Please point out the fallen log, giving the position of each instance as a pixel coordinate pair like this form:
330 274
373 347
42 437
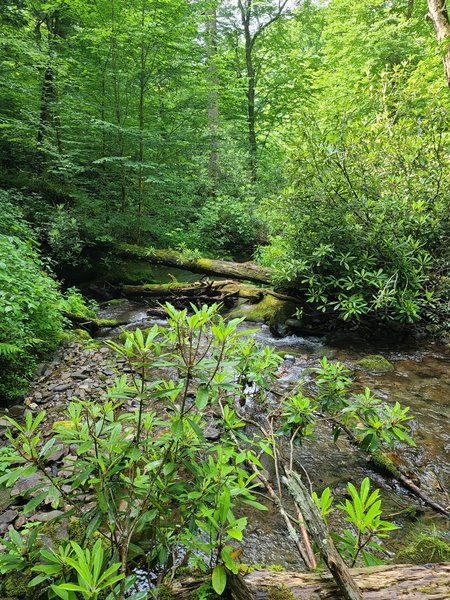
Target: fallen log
173 289
249 271
399 582
320 534
91 324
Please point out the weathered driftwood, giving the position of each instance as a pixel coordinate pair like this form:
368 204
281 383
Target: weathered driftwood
396 582
249 271
320 534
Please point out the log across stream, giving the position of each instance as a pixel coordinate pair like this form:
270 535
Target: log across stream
390 582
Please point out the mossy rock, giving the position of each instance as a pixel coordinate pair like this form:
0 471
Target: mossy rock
427 548
77 336
376 363
114 302
14 586
270 310
280 593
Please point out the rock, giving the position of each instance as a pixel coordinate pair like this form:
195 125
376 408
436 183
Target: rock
375 363
212 433
58 454
289 358
8 517
47 516
16 411
80 376
5 498
62 387
270 310
20 521
24 484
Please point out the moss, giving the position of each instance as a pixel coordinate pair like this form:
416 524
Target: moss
384 463
114 302
280 593
108 322
270 310
15 585
205 263
261 567
165 593
427 547
375 362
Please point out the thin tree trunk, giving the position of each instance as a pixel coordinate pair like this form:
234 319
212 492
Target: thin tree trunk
118 108
213 97
251 113
48 118
141 113
438 13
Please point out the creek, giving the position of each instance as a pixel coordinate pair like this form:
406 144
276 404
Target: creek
420 379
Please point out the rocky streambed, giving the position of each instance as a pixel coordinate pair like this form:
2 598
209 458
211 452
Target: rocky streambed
419 378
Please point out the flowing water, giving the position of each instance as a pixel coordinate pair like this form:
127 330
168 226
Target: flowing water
420 379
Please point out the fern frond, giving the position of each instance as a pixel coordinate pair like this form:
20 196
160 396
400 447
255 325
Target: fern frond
8 349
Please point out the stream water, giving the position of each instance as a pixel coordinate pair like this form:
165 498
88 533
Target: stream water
420 379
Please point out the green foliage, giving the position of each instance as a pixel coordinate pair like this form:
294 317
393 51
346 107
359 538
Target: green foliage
363 512
365 214
21 552
64 237
372 422
426 546
228 226
30 319
74 302
160 486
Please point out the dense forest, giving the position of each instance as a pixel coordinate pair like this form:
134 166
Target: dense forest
295 154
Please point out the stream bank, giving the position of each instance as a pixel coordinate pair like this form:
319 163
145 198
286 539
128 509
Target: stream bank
419 378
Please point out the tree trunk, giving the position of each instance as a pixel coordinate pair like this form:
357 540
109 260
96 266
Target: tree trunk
321 536
438 13
249 271
246 16
213 97
141 119
119 117
48 118
399 582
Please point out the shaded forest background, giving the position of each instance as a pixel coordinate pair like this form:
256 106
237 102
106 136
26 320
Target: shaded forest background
311 136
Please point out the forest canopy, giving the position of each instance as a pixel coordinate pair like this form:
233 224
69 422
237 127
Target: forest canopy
310 134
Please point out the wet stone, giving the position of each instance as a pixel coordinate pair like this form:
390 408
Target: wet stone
8 517
47 516
23 484
60 387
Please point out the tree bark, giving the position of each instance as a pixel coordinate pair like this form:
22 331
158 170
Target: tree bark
438 13
48 117
213 96
399 582
249 271
321 536
253 28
